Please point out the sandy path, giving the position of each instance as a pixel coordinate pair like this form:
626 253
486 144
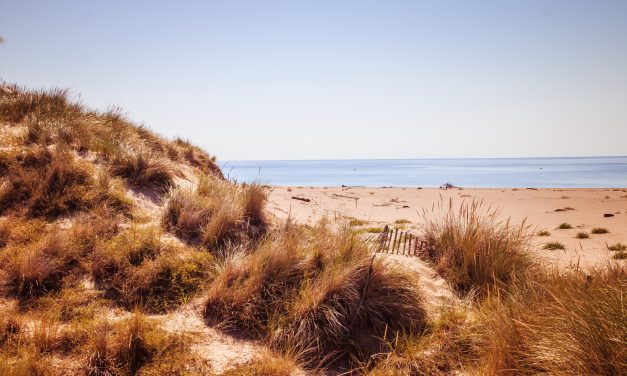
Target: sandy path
383 206
221 350
437 292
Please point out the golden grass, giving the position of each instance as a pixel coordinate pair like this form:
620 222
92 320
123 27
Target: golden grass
143 171
217 215
266 364
137 269
137 346
314 295
316 292
561 323
582 235
475 250
445 347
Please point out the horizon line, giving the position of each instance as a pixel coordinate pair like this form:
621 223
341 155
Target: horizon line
418 158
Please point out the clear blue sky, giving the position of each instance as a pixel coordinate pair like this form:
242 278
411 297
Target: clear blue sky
340 79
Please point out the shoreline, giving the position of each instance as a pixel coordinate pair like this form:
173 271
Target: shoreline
541 208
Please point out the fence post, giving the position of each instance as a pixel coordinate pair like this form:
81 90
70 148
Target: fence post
394 241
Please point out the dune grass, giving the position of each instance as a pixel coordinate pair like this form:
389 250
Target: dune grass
553 246
137 346
564 226
582 235
402 221
543 233
137 269
76 249
620 255
357 222
316 292
217 215
617 247
599 230
559 323
143 171
475 250
447 345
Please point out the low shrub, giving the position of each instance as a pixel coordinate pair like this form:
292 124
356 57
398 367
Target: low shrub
564 226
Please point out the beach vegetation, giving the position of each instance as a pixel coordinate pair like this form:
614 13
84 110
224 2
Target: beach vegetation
402 221
317 292
374 230
620 255
111 236
553 246
564 226
599 230
616 247
356 222
475 250
582 235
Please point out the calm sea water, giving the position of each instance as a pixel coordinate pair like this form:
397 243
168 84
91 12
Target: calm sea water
594 172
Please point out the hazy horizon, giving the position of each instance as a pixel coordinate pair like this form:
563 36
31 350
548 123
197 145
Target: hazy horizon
418 158
324 80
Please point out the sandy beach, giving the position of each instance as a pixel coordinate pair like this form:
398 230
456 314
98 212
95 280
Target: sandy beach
543 209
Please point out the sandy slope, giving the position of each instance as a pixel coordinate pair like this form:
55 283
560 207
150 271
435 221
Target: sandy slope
385 205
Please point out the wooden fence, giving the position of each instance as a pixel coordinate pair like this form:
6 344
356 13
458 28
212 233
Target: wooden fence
400 242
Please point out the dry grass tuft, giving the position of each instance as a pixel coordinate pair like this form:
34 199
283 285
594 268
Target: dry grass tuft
446 346
217 215
186 214
567 323
143 171
323 298
266 364
137 269
599 230
473 249
582 235
36 268
196 157
137 346
551 246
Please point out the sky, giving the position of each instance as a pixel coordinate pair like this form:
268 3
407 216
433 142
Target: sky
339 79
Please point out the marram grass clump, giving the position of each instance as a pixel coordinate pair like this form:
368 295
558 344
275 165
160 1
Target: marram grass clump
474 249
318 293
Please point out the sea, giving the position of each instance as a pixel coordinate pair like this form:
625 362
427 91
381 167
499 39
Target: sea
575 172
